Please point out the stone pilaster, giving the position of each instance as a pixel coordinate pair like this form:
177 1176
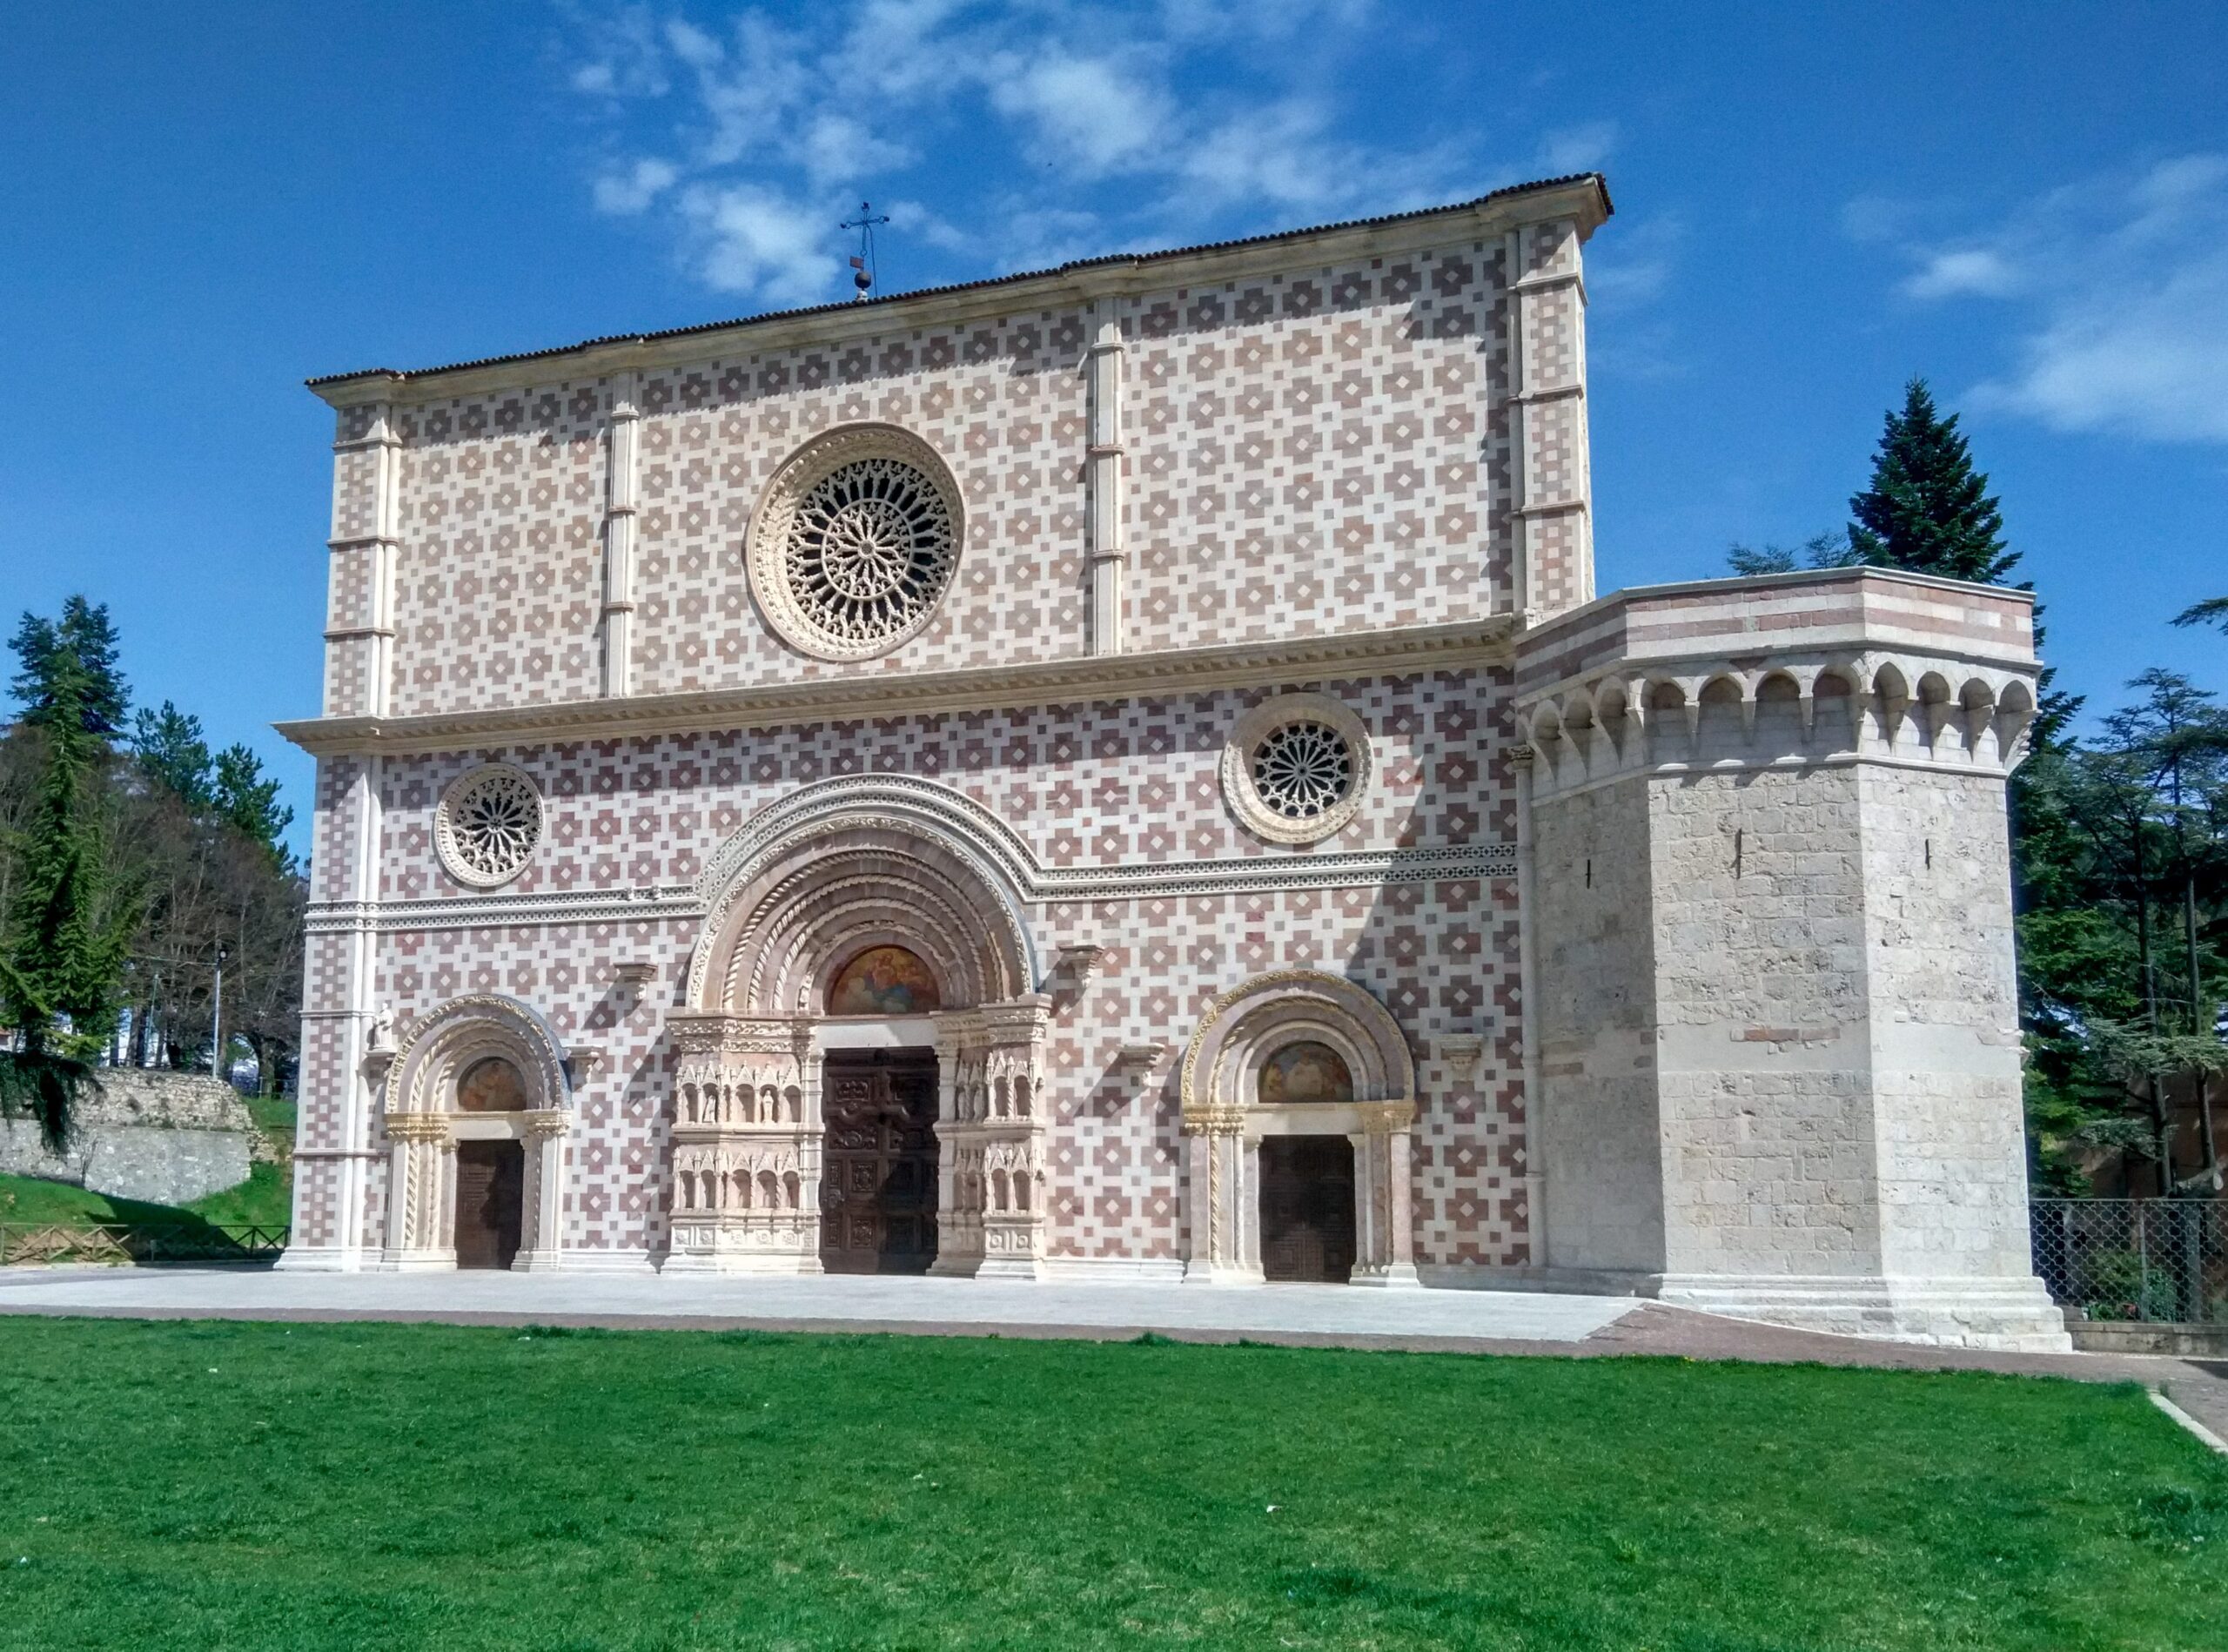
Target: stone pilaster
1550 474
747 1135
623 441
1105 554
547 1131
1385 1228
1225 1190
990 1137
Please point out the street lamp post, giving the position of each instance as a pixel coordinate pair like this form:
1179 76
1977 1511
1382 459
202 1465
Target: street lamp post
216 1020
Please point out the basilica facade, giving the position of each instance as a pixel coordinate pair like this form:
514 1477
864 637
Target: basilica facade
1122 773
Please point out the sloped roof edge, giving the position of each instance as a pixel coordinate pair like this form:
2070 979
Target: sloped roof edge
395 376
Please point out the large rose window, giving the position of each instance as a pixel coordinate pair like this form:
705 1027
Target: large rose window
855 542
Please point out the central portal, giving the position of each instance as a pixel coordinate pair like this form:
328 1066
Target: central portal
878 1180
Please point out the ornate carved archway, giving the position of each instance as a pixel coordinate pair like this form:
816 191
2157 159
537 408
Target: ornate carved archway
803 890
1226 1118
424 1119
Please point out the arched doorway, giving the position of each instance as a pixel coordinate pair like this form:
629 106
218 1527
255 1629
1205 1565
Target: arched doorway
1307 1208
1307 1181
490 1203
1298 1097
476 1123
864 1028
490 1174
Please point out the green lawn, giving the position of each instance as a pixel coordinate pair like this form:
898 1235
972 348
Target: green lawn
237 1486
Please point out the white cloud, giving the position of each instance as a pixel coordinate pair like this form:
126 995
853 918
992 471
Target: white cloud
2119 288
755 241
1577 149
633 188
755 137
1979 270
1091 113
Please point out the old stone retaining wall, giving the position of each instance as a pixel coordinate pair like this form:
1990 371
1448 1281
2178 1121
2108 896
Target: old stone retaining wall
164 1137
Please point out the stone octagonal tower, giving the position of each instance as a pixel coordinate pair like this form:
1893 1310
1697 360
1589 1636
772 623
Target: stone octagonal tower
1776 1042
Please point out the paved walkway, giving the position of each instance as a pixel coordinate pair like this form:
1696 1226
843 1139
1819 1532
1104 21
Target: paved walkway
1306 1315
831 1302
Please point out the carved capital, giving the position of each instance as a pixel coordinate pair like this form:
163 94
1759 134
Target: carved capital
401 1126
1385 1117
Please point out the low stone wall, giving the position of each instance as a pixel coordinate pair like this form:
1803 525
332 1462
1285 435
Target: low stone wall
163 1137
2198 1341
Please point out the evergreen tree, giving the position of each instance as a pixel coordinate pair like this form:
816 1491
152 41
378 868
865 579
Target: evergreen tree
2212 611
170 747
1927 510
1820 550
82 648
250 803
67 928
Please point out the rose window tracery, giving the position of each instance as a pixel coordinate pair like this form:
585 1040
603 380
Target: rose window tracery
1295 768
855 542
489 825
1303 770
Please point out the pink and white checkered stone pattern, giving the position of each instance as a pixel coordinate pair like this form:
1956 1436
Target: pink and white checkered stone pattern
1104 785
1320 451
1306 453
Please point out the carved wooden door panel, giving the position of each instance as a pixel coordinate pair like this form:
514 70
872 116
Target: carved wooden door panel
878 1183
490 1202
1307 1208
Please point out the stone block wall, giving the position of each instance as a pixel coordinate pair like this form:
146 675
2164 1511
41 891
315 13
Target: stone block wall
163 1137
1778 1073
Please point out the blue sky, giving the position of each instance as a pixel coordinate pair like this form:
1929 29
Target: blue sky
204 204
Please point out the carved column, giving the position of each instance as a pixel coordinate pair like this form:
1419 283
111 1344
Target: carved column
1385 1225
1106 551
421 1188
991 1141
1225 1189
619 547
962 1087
545 1132
747 1146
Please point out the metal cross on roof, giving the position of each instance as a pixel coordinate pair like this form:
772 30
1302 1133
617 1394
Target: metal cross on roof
862 261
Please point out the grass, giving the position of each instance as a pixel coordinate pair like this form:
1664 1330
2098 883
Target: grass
231 1486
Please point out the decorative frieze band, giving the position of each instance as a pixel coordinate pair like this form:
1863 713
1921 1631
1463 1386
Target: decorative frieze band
1465 645
1259 875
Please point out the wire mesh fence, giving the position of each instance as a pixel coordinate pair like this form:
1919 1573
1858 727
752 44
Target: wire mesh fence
134 1244
2157 1259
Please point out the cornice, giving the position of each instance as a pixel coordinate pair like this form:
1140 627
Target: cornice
1466 644
1583 198
1251 875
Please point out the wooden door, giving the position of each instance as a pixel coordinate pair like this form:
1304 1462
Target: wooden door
1307 1208
490 1202
878 1182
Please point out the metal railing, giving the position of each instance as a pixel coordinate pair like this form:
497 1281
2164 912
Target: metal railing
2156 1260
135 1243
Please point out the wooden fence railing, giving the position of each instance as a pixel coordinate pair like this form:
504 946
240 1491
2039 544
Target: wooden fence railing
134 1243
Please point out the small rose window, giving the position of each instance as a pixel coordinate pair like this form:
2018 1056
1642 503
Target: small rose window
1296 768
1303 770
488 826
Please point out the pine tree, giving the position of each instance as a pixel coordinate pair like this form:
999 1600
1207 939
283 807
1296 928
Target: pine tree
171 748
82 645
243 797
1927 510
65 933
